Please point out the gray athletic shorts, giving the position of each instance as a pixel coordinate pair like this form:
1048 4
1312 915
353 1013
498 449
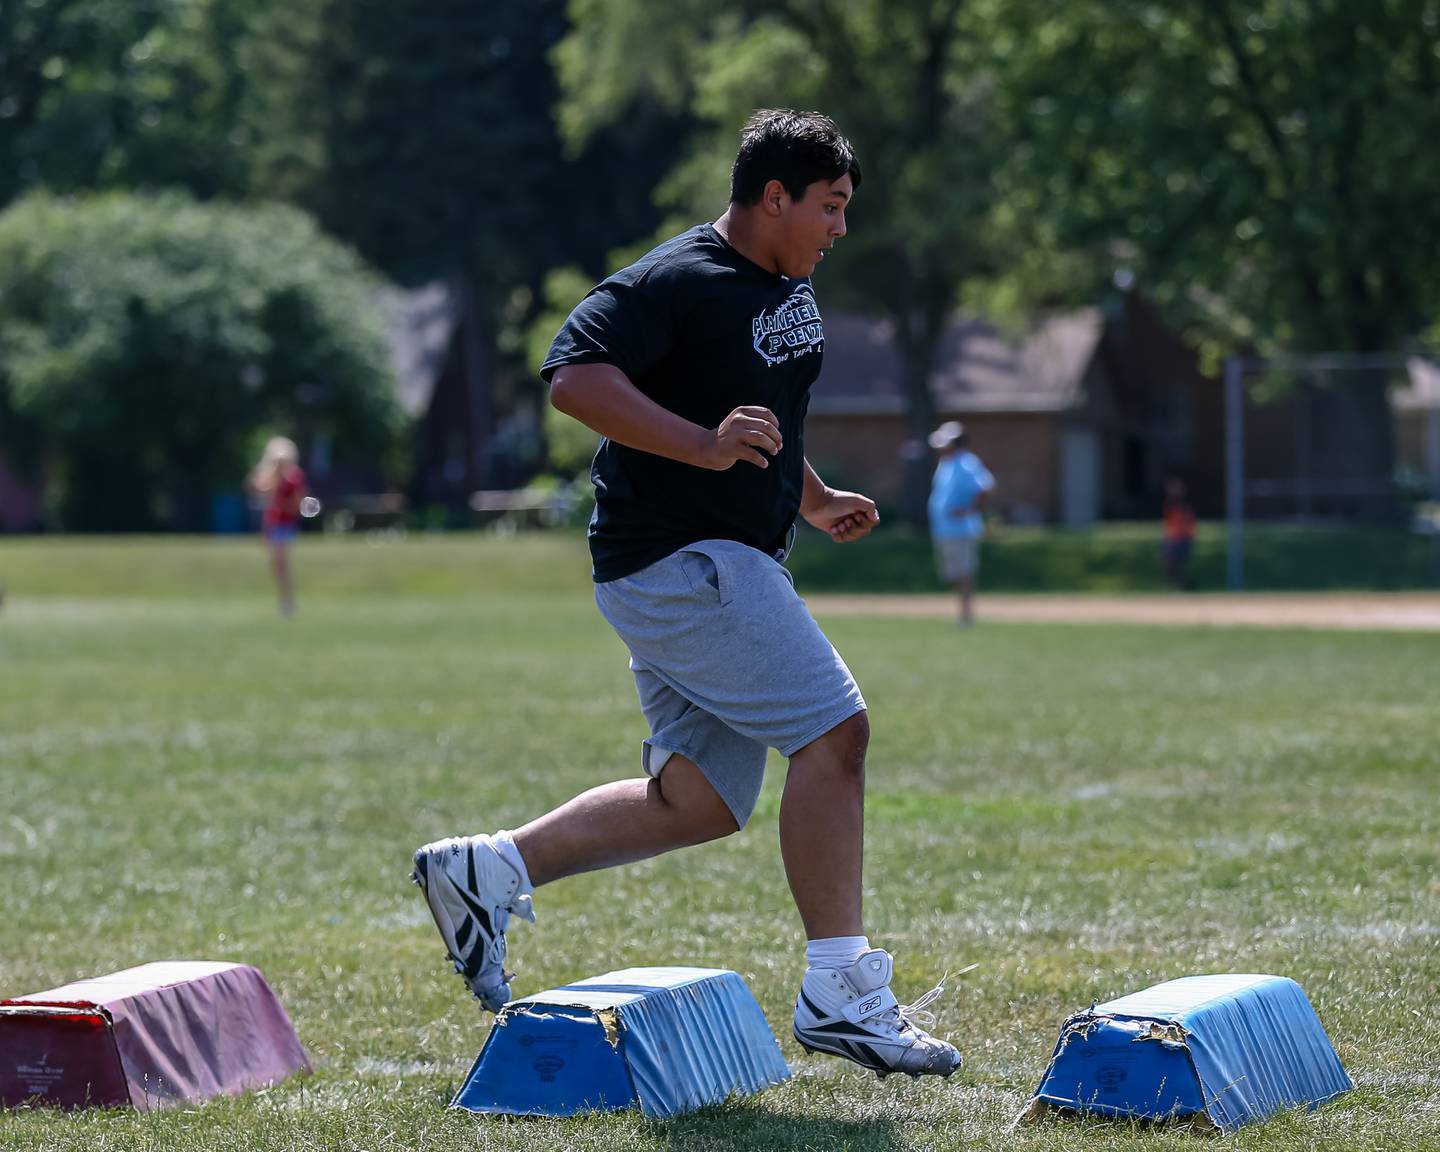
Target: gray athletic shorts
728 662
957 557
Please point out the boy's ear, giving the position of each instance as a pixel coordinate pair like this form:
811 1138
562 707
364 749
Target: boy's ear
773 197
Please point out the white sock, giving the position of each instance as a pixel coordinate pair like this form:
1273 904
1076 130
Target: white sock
836 951
505 845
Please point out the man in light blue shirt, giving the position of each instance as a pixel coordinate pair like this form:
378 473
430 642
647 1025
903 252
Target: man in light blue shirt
958 495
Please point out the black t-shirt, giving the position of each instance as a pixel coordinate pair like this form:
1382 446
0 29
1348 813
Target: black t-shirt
700 330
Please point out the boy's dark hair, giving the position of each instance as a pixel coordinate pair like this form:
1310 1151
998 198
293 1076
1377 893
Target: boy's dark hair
796 148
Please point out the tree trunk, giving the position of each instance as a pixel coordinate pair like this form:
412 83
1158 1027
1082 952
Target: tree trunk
477 349
916 335
918 356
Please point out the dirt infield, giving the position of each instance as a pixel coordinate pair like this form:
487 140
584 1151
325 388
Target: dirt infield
1366 611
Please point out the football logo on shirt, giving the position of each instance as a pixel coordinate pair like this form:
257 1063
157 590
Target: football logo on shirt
792 330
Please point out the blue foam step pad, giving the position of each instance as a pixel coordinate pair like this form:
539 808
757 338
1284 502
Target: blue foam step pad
665 1040
1225 1050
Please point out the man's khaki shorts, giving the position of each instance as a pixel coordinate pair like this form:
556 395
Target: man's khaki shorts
957 557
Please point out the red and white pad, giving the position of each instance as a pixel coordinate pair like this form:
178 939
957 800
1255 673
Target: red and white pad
165 1033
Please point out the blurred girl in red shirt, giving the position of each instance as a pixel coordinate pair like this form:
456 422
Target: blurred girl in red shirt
280 481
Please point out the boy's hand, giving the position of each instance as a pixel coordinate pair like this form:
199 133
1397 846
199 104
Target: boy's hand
749 433
845 516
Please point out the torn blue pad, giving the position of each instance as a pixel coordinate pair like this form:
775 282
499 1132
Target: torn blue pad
665 1040
1233 1048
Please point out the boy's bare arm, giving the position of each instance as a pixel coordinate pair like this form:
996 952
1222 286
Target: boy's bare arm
602 398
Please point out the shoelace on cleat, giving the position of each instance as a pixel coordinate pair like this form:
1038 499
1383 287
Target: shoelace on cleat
916 1015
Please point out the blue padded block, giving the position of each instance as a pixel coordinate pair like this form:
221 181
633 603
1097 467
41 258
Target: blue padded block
666 1040
1234 1048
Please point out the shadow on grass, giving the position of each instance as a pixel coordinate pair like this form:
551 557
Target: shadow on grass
747 1125
1086 1124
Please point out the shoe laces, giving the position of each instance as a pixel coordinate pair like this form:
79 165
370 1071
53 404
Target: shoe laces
917 1015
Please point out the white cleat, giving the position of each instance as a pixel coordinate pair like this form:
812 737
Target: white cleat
472 891
851 1013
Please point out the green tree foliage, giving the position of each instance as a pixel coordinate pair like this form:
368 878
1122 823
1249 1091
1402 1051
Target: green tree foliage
569 444
1265 169
419 130
134 93
1262 170
908 82
436 132
422 132
440 161
144 340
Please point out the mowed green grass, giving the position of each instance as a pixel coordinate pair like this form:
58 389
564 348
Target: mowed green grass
1079 811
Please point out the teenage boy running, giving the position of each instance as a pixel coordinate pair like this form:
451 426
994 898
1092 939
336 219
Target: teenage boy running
695 365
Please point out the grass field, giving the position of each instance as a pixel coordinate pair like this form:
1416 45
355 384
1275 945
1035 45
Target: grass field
1080 811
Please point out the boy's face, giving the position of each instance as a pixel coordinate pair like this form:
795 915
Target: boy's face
810 225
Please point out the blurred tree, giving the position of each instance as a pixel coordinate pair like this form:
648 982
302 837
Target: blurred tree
422 132
436 132
143 340
1264 170
131 93
908 81
44 47
419 130
569 444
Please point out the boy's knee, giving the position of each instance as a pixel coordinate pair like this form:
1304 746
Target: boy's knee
853 736
861 723
857 742
842 749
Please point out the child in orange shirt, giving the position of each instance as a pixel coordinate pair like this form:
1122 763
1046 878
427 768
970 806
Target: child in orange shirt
1179 533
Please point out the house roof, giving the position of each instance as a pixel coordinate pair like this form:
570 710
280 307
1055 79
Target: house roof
418 325
977 369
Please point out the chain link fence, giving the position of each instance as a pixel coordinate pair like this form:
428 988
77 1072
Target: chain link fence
1345 446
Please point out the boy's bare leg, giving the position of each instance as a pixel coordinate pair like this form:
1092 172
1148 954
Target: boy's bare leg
822 817
847 1010
822 829
474 885
624 821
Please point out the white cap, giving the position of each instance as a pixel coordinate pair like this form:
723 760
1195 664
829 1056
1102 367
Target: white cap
947 435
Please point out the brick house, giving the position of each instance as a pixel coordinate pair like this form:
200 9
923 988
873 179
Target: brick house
1080 418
